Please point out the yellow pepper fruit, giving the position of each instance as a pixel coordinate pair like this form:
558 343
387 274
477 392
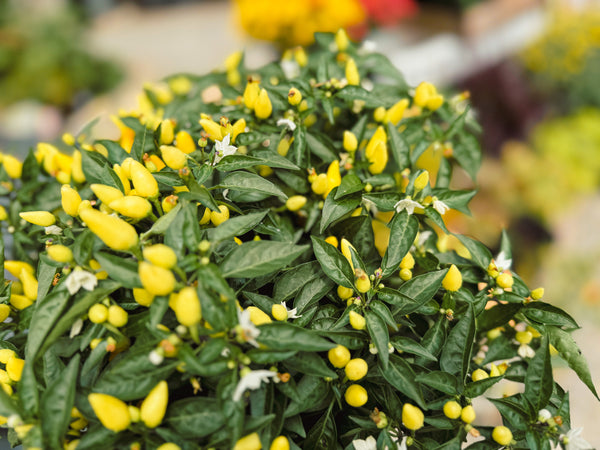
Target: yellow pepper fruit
14 368
339 356
131 206
12 166
112 412
60 253
257 316
184 142
356 395
155 279
4 312
356 369
142 296
154 405
251 93
412 417
350 141
106 194
173 157
263 107
352 73
249 442
70 200
187 307
30 284
160 255
166 132
143 181
295 202
294 96
452 282
113 231
41 218
280 443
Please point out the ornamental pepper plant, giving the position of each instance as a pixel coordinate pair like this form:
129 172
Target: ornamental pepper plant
261 261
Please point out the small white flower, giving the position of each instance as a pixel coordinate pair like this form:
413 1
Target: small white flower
422 237
407 204
248 330
544 415
14 420
76 328
371 207
574 441
225 352
225 194
155 358
402 444
525 351
290 68
440 206
53 229
368 47
223 148
365 444
502 262
288 123
372 349
292 313
252 381
80 278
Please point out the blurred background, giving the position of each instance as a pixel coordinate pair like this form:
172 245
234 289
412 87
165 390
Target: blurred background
532 68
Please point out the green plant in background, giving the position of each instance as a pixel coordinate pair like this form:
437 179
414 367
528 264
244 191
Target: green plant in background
42 57
565 60
255 265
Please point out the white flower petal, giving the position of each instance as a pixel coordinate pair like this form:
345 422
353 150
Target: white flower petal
365 444
290 68
288 123
440 207
76 328
155 358
53 229
407 204
223 149
575 441
80 279
249 330
502 262
252 381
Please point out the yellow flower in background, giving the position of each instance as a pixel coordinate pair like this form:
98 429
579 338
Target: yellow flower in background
293 22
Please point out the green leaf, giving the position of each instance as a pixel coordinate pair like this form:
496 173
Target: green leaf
569 351
116 153
47 312
468 154
546 314
298 150
56 404
236 226
352 93
382 311
201 194
333 263
477 388
334 210
163 223
315 392
512 411
132 375
399 146
310 364
286 336
538 381
480 254
312 292
456 354
97 170
123 270
441 381
421 289
195 417
378 331
257 258
250 182
319 148
403 230
269 158
497 316
323 434
292 280
408 345
350 184
81 304
457 200
401 376
458 124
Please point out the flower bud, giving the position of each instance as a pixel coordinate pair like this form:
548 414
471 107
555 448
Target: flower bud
41 218
295 202
263 107
173 157
356 395
412 417
154 405
537 294
294 96
452 282
505 280
155 279
352 73
113 231
70 200
60 253
132 206
112 412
